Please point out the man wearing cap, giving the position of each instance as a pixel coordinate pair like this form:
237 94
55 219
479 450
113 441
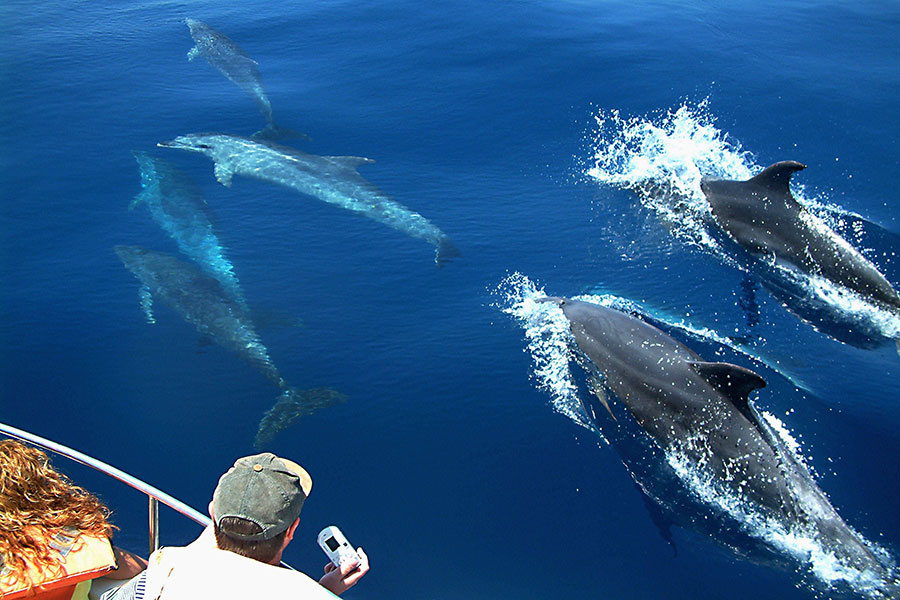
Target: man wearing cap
255 511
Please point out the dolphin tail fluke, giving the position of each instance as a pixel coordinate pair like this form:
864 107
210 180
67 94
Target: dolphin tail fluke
291 405
445 251
273 133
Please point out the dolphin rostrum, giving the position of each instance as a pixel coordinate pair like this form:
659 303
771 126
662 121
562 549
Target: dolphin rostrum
763 217
701 411
202 301
333 179
226 56
178 207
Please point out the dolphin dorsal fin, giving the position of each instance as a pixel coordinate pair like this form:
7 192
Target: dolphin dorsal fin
733 381
351 162
736 383
777 177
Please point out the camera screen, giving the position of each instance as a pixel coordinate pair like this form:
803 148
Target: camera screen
332 544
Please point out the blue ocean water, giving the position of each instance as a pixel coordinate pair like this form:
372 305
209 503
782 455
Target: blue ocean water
525 131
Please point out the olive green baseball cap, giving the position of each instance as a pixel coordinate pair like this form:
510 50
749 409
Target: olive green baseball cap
263 489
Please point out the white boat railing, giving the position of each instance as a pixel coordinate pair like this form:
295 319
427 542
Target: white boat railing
154 495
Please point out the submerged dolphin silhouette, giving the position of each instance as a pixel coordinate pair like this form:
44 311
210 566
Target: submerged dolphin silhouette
333 179
177 206
230 60
763 217
203 302
701 410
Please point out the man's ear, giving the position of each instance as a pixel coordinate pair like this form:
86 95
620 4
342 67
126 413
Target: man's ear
211 515
292 529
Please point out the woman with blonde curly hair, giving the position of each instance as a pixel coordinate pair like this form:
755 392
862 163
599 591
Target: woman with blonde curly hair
54 535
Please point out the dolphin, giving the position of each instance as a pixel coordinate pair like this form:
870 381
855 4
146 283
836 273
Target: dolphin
230 60
763 217
333 179
178 207
202 301
701 411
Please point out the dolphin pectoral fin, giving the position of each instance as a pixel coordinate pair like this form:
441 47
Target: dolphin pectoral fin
351 162
140 197
223 174
147 304
598 389
193 53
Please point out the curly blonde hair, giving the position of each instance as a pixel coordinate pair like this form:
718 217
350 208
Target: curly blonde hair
36 501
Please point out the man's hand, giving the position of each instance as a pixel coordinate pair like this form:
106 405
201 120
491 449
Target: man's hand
337 581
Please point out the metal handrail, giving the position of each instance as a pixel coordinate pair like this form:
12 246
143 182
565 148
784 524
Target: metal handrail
153 494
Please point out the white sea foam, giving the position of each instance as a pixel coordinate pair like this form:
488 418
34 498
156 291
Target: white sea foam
790 443
853 307
671 152
663 159
793 539
549 337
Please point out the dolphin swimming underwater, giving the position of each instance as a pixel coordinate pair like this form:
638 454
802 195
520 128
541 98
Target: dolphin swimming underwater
333 179
701 411
230 60
179 208
763 217
203 302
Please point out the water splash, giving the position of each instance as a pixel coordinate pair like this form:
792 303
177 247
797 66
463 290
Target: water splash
794 539
547 331
669 153
855 310
662 158
788 441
